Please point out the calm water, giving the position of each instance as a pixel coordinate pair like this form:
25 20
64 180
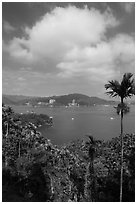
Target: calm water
72 123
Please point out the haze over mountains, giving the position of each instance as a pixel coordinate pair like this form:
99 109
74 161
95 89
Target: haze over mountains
59 100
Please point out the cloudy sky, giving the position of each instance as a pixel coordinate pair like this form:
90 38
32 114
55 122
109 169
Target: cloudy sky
61 48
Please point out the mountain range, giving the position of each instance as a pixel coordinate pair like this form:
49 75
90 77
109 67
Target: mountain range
80 99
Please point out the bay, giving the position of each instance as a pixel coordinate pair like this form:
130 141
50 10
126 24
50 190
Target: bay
75 122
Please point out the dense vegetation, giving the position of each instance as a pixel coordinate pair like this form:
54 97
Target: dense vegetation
36 170
35 119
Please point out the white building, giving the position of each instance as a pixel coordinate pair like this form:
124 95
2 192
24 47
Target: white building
27 103
39 103
73 103
51 101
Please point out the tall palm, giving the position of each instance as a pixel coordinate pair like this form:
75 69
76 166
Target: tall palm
90 189
123 90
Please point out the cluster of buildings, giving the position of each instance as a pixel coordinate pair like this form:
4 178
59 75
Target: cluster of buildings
51 103
73 104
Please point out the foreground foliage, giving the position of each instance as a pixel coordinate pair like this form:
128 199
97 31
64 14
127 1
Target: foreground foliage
36 170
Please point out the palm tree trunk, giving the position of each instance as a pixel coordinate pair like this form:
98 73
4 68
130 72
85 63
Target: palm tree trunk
121 174
6 159
19 148
51 188
90 189
86 188
92 174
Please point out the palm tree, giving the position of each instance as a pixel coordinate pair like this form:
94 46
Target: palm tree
90 189
123 90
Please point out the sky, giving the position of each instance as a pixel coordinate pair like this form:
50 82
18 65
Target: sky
53 48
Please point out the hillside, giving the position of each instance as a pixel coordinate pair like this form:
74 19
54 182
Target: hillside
7 101
14 99
79 98
21 100
64 100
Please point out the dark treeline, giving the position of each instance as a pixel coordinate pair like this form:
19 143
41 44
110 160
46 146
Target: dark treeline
35 170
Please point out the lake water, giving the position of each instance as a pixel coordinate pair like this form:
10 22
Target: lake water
74 123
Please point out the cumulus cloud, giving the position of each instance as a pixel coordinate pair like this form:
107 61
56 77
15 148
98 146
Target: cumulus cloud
60 30
71 43
7 27
18 49
108 58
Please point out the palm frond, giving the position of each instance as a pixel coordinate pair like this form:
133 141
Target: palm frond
128 85
111 93
114 88
124 89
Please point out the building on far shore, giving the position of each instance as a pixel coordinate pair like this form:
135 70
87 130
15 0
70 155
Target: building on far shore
28 103
73 104
51 102
42 103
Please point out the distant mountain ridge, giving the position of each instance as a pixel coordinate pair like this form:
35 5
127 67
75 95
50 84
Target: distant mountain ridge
80 99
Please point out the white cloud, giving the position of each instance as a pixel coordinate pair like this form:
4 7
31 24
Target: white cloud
106 60
71 42
60 31
7 27
18 48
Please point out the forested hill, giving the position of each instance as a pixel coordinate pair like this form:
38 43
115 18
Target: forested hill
81 99
15 99
59 100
